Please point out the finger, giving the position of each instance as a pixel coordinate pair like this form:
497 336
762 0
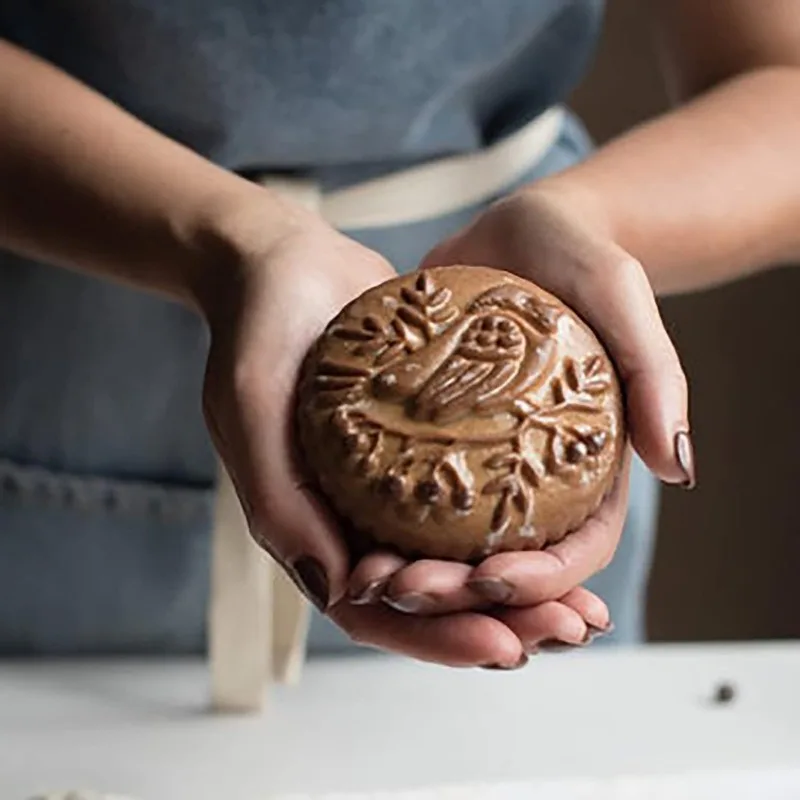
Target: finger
432 587
592 608
610 289
370 576
552 623
530 578
556 625
457 640
617 299
577 619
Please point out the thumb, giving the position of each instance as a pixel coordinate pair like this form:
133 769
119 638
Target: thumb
298 533
255 440
617 300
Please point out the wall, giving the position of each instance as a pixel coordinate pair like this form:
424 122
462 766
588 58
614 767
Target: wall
729 552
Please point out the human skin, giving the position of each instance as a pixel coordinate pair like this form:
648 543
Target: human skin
703 194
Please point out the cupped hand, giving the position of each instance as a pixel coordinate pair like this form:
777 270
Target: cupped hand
264 315
560 241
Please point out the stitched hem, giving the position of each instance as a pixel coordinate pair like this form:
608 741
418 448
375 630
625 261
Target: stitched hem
39 488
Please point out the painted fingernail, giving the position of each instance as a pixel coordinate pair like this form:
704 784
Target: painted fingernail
523 660
313 581
495 590
368 595
684 452
410 602
593 633
552 646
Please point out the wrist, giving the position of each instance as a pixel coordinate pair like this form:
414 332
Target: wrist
227 237
584 203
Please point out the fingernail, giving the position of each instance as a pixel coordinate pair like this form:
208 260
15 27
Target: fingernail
523 660
410 602
684 452
552 646
593 633
495 590
369 594
311 577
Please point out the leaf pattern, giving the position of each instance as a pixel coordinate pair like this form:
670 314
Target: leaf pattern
501 517
522 498
412 317
372 325
424 283
529 473
500 485
597 386
501 460
557 387
340 369
571 375
352 334
390 353
440 299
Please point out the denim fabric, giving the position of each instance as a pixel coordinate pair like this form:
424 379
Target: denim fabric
343 87
106 473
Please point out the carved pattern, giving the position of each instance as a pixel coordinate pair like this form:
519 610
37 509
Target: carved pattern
442 365
422 313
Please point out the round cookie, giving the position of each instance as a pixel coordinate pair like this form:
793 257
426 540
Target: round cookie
460 412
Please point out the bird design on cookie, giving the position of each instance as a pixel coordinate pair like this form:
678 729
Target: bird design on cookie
501 348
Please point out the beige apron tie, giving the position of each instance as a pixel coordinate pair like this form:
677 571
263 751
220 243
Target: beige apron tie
258 620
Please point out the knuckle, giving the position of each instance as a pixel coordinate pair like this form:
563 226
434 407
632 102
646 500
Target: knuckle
626 266
540 591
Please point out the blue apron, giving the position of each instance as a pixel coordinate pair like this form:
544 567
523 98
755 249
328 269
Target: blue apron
106 471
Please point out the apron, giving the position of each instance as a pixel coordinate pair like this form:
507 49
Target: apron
108 483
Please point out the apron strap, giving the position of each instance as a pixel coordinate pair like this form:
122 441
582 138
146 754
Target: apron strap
258 620
240 609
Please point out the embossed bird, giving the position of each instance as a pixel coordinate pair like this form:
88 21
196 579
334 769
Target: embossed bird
501 348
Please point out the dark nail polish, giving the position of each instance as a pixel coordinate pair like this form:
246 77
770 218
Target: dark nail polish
411 602
369 594
554 646
684 452
312 580
507 668
557 646
495 590
593 633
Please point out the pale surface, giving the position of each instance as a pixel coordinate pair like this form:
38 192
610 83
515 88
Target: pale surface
382 728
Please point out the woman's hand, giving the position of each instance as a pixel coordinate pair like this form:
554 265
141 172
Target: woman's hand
559 240
264 314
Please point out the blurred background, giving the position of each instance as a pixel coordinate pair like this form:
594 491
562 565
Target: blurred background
728 557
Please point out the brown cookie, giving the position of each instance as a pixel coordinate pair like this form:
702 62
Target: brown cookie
459 412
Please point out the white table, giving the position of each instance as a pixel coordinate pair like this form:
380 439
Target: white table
600 725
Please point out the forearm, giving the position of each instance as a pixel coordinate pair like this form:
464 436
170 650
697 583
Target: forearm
708 192
87 186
